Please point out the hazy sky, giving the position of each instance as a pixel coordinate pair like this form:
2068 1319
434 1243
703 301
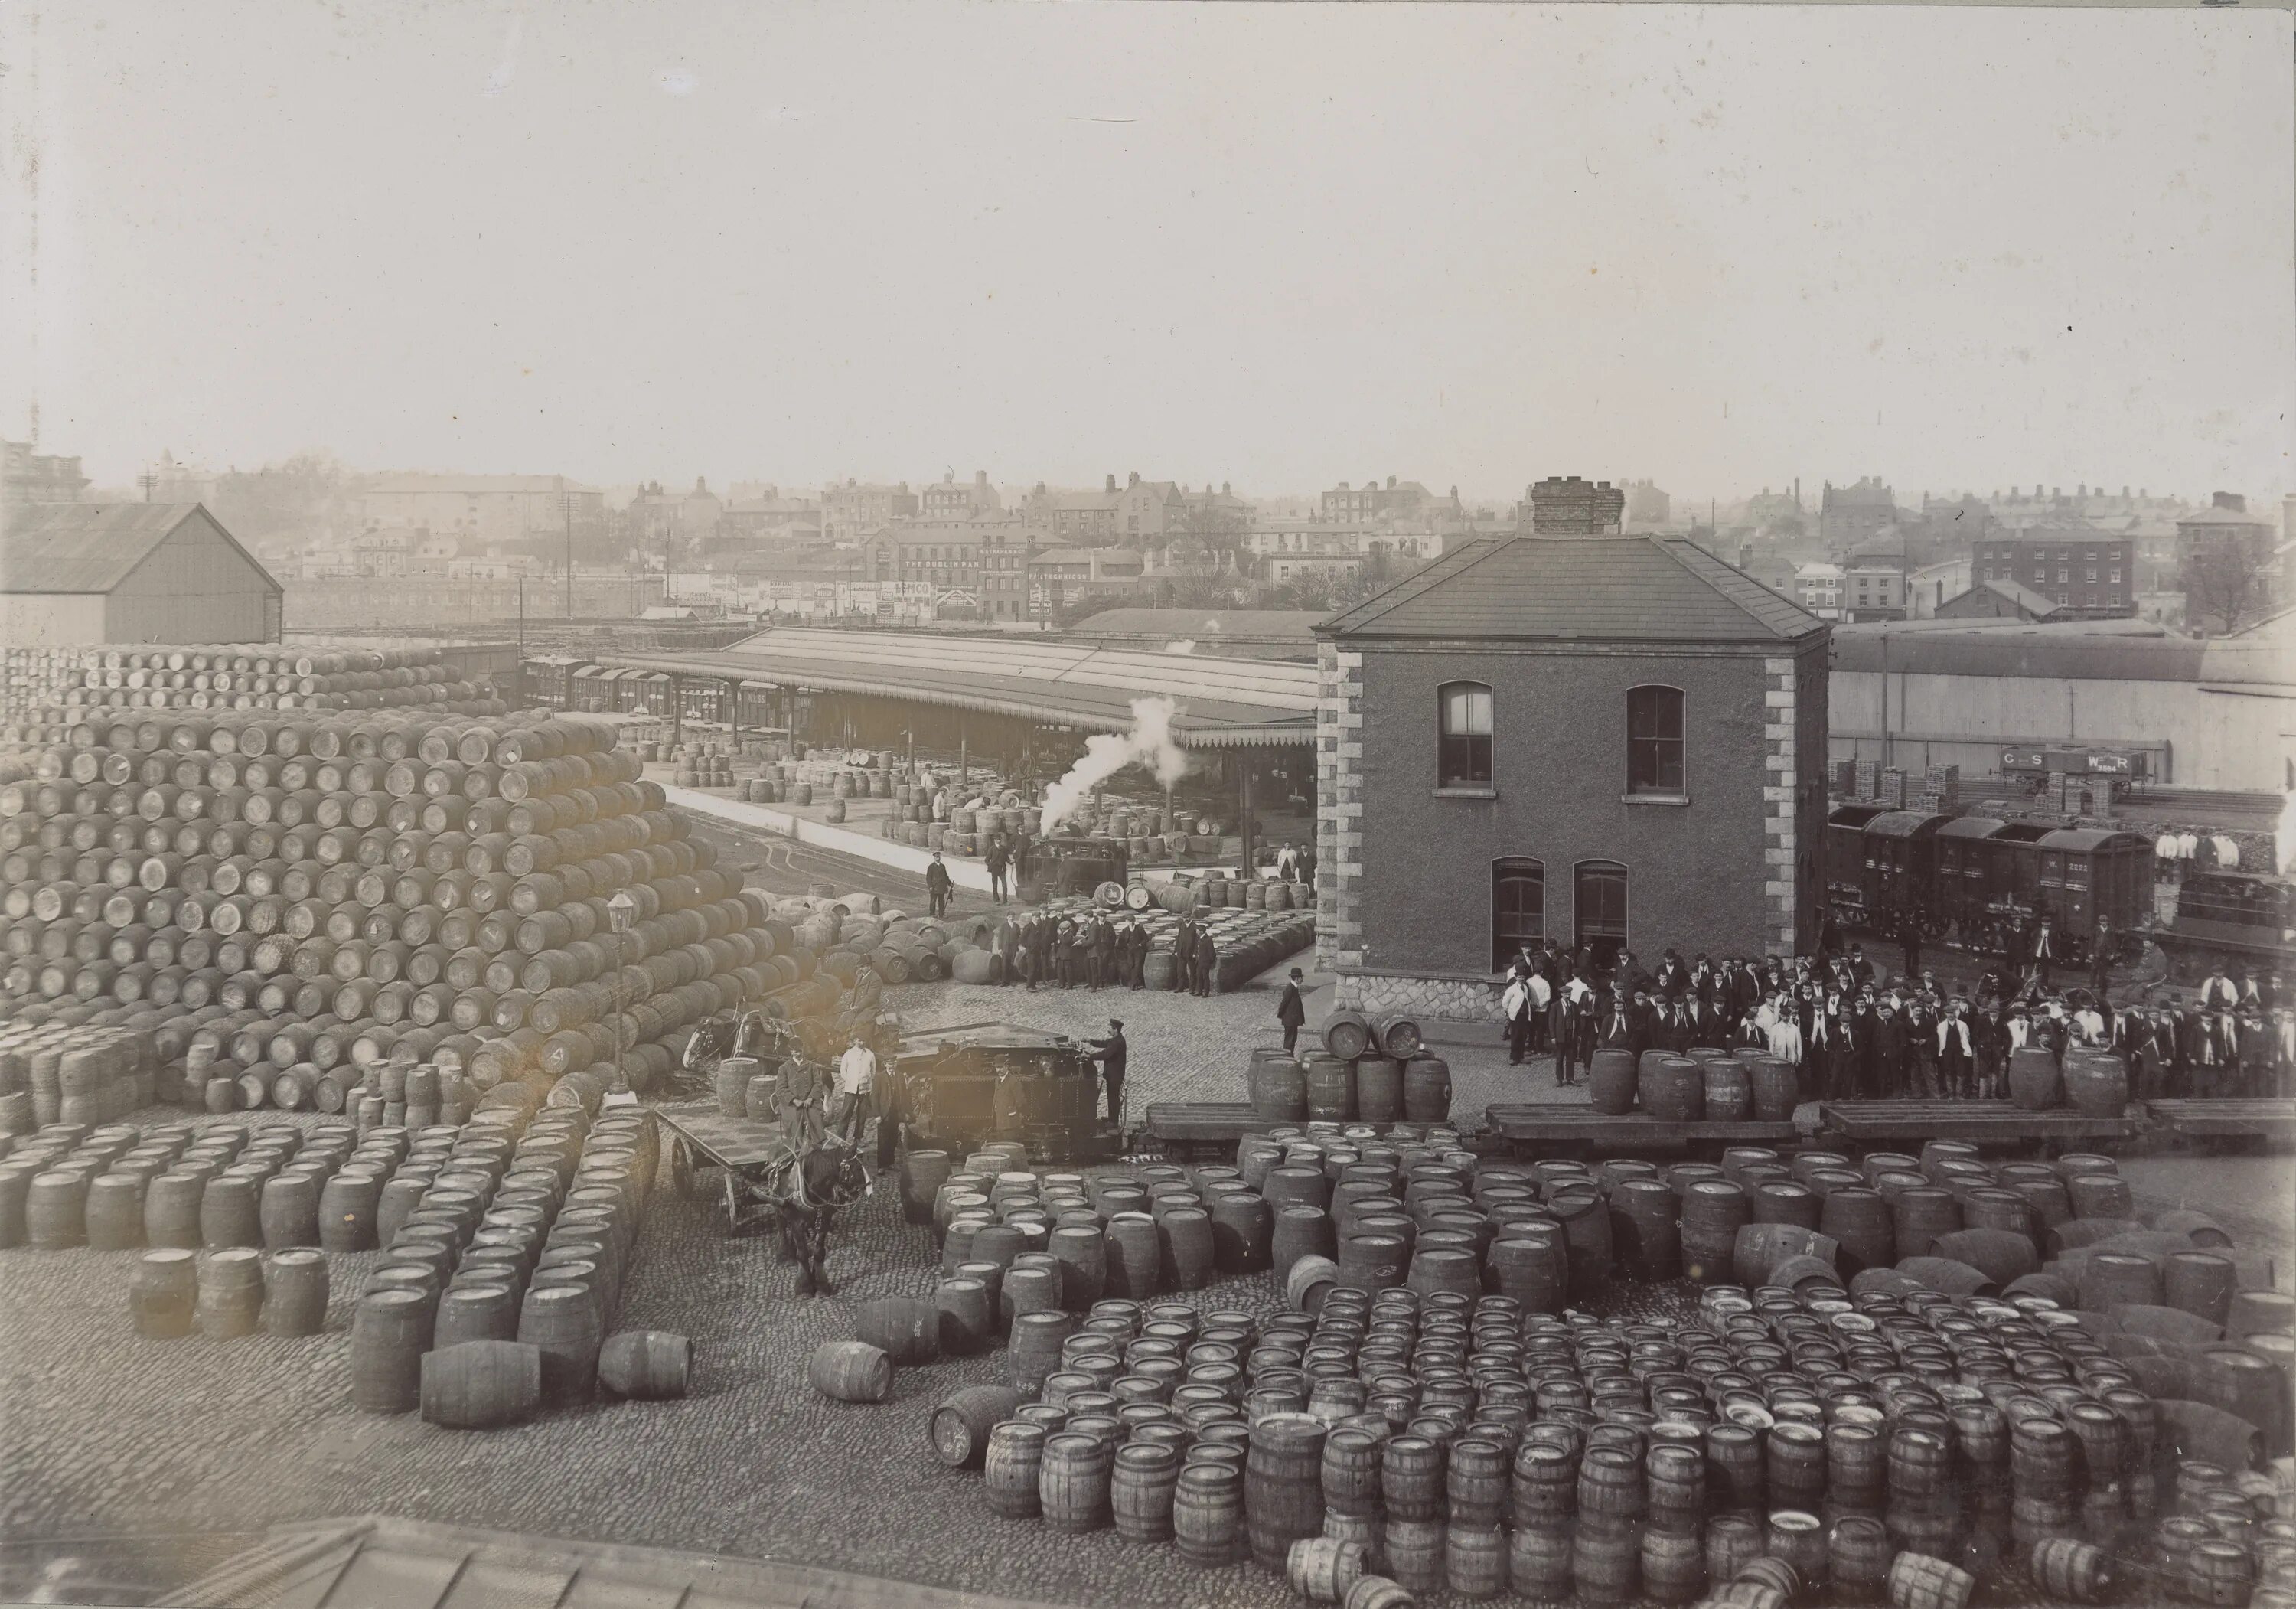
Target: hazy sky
1283 246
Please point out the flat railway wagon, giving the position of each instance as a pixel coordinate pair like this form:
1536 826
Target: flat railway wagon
1972 881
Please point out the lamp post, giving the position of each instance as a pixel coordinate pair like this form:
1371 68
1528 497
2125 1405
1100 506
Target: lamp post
619 909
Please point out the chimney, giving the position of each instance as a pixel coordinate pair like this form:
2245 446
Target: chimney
1224 491
1745 555
2231 500
1390 483
981 476
1111 482
1132 479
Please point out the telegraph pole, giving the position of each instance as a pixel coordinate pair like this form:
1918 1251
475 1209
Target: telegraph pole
566 503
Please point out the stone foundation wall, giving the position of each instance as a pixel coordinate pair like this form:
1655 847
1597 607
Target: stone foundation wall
1458 999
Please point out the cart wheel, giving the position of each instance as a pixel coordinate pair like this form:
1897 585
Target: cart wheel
680 1169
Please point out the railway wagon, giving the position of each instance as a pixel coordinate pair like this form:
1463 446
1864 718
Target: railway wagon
2237 923
1972 881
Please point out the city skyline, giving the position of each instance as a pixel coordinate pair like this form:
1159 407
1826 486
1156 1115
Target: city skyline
1462 245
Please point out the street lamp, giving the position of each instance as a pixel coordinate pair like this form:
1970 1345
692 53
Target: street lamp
619 909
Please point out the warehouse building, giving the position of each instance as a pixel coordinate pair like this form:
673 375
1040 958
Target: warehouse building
1611 741
2205 714
129 573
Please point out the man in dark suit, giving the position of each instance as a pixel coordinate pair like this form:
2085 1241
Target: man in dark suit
1111 1052
1624 1024
1103 953
1207 972
1291 1011
1864 1073
1183 953
1890 1048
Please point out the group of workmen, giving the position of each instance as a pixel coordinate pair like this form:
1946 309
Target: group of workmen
1855 1033
812 1098
1102 948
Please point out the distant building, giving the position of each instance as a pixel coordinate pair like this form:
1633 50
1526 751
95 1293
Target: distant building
1279 568
165 481
1930 586
129 573
765 515
29 477
2001 601
1817 587
2232 564
2085 571
1873 591
1647 506
1057 575
1570 506
851 511
482 509
1086 519
945 552
1396 500
1310 536
948 499
1847 515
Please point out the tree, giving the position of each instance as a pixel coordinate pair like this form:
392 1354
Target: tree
2228 584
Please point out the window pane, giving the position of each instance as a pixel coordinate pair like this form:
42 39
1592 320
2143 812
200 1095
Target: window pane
1517 908
1599 914
1463 741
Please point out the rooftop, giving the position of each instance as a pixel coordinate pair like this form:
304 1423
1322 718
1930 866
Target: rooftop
83 548
2129 651
1589 589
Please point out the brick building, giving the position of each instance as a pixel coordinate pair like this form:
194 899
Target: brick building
2083 569
1567 505
1604 740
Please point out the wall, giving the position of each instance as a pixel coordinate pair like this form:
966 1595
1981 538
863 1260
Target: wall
47 619
1696 873
194 587
2210 739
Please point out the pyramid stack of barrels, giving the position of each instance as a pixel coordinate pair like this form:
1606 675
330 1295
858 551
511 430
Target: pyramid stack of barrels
45 692
1375 1071
390 915
1488 1376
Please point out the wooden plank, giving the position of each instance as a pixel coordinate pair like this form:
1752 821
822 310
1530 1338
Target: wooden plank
1201 1120
1980 1122
1571 1125
730 1142
2201 1117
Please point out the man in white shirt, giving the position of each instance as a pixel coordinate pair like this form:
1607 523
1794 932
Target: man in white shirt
856 1090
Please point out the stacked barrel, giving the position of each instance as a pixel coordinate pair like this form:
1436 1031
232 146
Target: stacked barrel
60 1072
1372 1071
387 910
47 691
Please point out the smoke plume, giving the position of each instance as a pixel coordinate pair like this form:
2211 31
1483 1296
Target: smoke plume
1149 743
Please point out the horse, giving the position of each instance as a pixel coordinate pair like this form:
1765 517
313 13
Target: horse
806 1191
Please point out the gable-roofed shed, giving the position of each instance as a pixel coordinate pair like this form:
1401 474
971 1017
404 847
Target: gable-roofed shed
129 573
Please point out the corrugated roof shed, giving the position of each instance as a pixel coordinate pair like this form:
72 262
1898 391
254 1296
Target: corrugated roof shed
2073 652
1597 588
86 547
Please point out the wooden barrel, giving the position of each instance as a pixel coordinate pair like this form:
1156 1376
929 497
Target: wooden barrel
1415 1552
1140 1491
1283 1496
1346 1035
1672 1088
55 1210
651 1366
1330 1086
851 1371
563 1321
294 1292
1185 1235
1761 1247
1858 1554
1010 1464
162 1293
390 1329
1073 1482
1324 1571
1776 1088
1427 1089
1207 1513
480 1384
114 1212
1308 1281
2096 1080
1612 1081
1674 1565
1398 1036
906 1330
1606 1560
2035 1084
1379 1089
1918 1582
962 1423
1036 1348
1475 1561
1538 1559
1277 1088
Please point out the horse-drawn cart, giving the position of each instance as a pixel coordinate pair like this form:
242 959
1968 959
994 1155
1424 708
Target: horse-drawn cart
700 1135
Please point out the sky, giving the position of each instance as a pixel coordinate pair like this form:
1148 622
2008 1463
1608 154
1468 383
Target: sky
1280 246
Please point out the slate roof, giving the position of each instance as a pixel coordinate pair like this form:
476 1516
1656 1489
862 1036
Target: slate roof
2037 605
84 548
1586 589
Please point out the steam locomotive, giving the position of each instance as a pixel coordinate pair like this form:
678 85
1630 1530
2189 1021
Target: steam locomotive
1974 880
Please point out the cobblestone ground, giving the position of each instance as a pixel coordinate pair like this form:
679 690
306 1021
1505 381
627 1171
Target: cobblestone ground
104 1435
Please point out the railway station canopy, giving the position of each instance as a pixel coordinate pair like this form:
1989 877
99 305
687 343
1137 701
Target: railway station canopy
1219 703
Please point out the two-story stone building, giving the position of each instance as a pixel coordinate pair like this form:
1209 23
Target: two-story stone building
1613 742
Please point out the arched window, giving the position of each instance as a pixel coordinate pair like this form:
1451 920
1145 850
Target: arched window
1463 750
1598 910
1517 908
1654 741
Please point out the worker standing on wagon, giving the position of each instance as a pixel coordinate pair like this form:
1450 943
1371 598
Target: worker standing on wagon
2100 963
798 1097
856 1089
1112 1053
